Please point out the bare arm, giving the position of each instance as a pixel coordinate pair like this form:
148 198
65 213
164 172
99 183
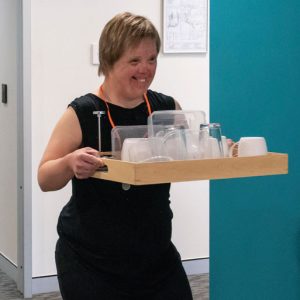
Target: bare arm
177 105
62 158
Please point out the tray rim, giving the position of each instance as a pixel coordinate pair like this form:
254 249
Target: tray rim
193 170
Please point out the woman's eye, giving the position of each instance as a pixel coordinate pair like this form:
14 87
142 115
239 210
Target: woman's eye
152 60
134 61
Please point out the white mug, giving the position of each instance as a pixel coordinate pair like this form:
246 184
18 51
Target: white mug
252 146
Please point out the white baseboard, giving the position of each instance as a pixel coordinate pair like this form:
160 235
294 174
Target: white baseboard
49 284
9 268
196 266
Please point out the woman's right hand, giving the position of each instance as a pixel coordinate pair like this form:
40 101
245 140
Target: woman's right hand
63 158
84 162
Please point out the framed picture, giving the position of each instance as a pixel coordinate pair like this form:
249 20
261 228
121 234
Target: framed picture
185 26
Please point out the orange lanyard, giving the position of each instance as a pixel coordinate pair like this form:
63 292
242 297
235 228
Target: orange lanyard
108 111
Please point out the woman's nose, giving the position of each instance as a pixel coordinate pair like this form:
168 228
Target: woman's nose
142 68
145 66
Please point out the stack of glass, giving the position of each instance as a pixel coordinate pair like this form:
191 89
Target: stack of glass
169 135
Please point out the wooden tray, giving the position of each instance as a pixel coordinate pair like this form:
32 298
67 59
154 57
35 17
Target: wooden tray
189 170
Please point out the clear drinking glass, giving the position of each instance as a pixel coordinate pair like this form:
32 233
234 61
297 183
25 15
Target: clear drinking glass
211 140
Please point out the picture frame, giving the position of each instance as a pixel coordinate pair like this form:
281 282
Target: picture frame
185 25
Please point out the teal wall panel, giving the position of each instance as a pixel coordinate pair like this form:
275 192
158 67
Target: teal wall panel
254 91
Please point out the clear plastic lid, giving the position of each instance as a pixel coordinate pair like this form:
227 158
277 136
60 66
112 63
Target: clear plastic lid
164 121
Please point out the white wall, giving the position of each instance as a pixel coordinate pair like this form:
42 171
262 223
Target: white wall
62 33
8 130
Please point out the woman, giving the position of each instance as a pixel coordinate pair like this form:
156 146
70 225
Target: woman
113 243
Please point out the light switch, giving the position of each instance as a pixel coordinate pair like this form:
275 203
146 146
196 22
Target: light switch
94 53
4 93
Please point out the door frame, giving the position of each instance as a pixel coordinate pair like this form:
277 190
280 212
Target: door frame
24 179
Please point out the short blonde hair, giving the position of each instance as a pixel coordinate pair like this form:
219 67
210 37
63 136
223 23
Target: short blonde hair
121 32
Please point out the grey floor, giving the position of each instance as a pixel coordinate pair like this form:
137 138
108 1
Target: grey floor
8 289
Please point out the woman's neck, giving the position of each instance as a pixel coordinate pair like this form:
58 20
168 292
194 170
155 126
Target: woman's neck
110 95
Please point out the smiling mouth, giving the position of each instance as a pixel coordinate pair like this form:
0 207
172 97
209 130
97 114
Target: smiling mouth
142 80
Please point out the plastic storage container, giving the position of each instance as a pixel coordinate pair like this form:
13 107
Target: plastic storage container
164 121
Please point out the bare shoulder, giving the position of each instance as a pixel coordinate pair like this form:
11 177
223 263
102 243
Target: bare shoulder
66 136
177 105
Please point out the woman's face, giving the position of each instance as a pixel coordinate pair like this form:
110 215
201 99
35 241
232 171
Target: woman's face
133 73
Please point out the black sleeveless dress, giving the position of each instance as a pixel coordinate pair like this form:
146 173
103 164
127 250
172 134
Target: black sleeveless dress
122 236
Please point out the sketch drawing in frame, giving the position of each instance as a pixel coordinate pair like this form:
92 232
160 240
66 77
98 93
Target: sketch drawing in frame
185 26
